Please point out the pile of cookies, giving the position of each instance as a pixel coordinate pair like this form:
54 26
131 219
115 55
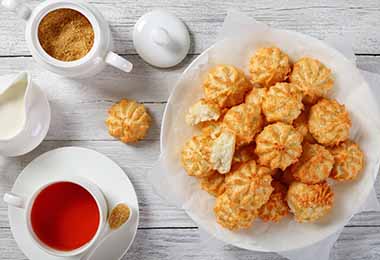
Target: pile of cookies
269 141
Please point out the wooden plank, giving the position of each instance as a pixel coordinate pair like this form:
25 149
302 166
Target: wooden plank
354 243
78 105
320 19
136 161
145 83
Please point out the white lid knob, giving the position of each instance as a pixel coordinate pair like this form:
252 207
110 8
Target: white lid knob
161 39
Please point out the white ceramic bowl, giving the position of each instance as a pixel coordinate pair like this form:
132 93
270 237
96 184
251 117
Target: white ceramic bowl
350 88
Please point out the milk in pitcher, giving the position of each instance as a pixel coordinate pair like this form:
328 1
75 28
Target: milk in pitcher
12 111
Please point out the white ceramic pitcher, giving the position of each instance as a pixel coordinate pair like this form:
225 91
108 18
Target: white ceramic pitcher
35 112
93 62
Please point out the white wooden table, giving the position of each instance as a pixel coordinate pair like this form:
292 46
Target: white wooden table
79 109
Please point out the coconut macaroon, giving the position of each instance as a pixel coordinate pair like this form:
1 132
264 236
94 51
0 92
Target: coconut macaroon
195 156
230 216
255 96
245 121
243 154
214 184
312 77
202 111
212 128
249 187
308 202
269 66
226 85
276 207
301 125
128 121
349 161
314 165
329 122
222 151
278 146
282 103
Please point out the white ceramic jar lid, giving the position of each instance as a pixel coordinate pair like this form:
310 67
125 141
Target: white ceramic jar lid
161 39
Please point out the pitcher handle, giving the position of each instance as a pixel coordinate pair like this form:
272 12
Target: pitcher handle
14 200
19 7
118 62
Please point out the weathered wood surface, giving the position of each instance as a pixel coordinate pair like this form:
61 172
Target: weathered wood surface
355 243
79 109
320 18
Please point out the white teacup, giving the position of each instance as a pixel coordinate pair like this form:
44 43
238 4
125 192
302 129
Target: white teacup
93 62
15 200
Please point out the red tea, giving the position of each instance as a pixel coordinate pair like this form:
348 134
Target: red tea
65 216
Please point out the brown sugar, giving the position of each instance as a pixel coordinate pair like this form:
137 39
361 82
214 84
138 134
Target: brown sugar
66 34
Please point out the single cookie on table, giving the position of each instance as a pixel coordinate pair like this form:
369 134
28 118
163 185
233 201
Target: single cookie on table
313 78
278 146
329 122
202 111
256 96
128 120
230 216
301 125
269 66
245 121
314 165
282 103
222 151
214 184
276 207
226 86
309 202
195 156
349 161
249 186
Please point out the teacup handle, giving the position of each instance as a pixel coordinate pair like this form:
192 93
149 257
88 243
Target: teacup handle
19 7
14 200
118 62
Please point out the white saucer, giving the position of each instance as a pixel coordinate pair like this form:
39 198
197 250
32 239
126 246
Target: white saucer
76 161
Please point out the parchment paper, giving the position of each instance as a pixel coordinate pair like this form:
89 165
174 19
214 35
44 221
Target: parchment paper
238 39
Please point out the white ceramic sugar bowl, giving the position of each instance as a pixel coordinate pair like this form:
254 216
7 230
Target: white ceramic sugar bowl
93 62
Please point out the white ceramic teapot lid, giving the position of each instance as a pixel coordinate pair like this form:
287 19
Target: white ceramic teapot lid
161 39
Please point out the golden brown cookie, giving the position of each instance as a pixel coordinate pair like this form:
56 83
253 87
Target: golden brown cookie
269 66
276 207
226 85
195 156
308 202
230 216
329 122
312 77
301 125
202 111
243 154
349 161
282 103
255 96
245 121
213 184
314 166
278 146
128 120
249 186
